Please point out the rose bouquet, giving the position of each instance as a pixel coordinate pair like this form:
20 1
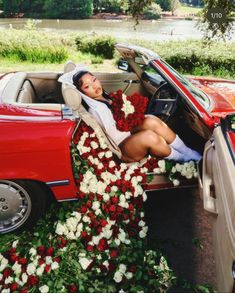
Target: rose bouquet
97 244
128 111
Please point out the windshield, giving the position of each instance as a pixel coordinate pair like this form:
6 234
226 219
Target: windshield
199 95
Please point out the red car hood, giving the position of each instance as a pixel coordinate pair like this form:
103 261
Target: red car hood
221 92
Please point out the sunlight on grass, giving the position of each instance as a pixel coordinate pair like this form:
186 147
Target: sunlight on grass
188 10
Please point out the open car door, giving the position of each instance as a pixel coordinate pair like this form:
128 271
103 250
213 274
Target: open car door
218 191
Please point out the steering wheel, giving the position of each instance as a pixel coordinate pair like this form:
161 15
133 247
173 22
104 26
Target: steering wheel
161 105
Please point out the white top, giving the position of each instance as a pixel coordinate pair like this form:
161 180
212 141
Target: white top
111 129
99 110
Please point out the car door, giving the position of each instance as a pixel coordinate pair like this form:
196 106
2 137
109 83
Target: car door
218 191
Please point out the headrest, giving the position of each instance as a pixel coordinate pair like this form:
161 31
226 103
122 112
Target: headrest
71 96
69 66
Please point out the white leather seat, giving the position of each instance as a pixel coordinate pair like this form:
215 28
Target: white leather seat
69 66
27 93
73 98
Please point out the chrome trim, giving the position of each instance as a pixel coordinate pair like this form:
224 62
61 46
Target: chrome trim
68 199
58 183
67 112
30 118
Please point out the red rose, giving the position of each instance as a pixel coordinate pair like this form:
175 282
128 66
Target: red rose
103 222
89 204
114 253
112 266
108 189
14 257
99 197
56 259
84 234
24 291
47 269
7 272
132 269
41 250
83 209
50 251
13 286
22 261
41 261
32 280
62 242
98 229
90 247
72 288
112 208
115 200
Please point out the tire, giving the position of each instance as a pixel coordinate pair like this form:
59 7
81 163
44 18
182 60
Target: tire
22 203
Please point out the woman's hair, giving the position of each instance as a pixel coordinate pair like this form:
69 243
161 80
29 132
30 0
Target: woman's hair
77 78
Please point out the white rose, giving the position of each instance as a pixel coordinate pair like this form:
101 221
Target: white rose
122 268
114 188
141 223
16 268
162 165
40 270
32 251
31 269
60 229
100 166
144 196
86 219
77 215
9 280
24 277
118 277
176 182
84 262
106 197
108 154
48 260
71 236
54 265
44 289
142 234
95 205
15 243
101 155
111 164
117 241
129 275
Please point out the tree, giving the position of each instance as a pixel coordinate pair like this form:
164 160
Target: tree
107 6
174 4
213 24
136 7
68 9
164 4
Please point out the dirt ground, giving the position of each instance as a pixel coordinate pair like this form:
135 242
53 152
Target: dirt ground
180 226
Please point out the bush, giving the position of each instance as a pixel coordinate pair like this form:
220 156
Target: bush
33 46
97 45
194 56
152 12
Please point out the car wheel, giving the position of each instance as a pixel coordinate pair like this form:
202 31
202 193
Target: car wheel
22 203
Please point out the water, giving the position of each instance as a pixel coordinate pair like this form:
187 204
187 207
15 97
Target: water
146 30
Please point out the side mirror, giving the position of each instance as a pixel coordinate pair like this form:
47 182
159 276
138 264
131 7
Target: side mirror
123 65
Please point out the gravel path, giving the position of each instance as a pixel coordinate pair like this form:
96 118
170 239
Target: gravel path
182 228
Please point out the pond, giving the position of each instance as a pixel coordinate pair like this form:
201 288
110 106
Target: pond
146 30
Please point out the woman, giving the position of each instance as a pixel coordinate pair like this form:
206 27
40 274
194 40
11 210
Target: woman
152 136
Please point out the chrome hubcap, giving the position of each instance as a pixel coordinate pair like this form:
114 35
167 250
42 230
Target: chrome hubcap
15 206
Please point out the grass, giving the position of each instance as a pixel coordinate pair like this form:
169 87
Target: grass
188 10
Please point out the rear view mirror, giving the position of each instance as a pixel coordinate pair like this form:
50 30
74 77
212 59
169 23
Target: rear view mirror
123 65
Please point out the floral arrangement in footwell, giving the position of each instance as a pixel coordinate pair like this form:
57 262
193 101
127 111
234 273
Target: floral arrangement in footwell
100 245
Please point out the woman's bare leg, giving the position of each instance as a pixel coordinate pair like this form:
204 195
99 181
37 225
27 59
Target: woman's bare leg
137 146
157 125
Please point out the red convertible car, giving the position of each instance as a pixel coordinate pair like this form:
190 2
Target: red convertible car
39 116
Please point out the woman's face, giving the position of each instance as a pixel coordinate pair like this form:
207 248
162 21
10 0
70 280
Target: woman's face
91 86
